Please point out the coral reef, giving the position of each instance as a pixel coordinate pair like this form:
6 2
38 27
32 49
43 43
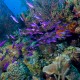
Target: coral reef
62 67
49 43
16 71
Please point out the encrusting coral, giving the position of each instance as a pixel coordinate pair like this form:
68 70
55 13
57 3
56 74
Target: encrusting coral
16 71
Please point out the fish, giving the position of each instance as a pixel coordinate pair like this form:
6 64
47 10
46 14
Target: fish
2 43
33 24
37 17
12 37
40 14
19 45
30 5
48 41
68 35
33 29
45 23
33 43
29 54
21 18
28 29
7 36
2 58
5 66
57 36
53 39
14 19
58 22
40 32
37 45
7 51
13 45
19 30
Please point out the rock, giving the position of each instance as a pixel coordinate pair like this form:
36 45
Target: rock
7 25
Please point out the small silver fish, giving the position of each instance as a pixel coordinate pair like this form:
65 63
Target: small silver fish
37 17
21 18
7 36
14 19
30 5
19 30
12 36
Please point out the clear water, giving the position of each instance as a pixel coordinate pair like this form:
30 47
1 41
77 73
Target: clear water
16 6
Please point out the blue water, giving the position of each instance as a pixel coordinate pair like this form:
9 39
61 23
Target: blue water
16 6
